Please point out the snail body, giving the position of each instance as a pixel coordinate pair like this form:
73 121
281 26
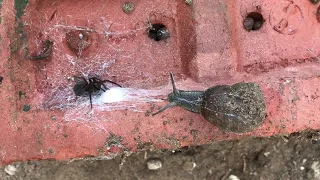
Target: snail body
237 108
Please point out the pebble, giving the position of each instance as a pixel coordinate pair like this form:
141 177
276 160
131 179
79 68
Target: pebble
10 169
189 166
154 164
233 177
266 154
189 2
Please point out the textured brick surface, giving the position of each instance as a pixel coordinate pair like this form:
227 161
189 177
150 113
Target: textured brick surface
208 46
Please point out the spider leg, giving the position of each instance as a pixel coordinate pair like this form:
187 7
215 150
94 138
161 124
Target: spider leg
111 82
105 87
77 77
90 100
82 78
99 88
97 80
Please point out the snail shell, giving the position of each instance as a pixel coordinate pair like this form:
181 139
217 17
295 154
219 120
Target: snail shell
237 108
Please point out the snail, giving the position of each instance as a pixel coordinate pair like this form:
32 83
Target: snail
237 108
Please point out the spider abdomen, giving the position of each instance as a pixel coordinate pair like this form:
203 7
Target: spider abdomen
80 88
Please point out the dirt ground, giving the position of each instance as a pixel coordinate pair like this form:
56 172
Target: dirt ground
283 157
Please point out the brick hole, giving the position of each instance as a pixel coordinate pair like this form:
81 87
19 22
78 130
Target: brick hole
253 21
318 14
158 32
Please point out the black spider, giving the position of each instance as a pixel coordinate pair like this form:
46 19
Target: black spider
88 86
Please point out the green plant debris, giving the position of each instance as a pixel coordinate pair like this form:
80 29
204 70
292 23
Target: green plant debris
53 118
26 108
20 38
22 95
101 152
28 83
20 5
19 30
0 9
114 141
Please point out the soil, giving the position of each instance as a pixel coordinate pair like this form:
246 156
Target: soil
296 156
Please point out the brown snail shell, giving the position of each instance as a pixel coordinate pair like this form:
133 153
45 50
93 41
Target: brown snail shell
237 108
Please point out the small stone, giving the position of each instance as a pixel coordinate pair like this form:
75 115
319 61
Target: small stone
154 164
316 169
10 169
248 23
302 168
189 166
51 150
128 7
163 33
80 36
233 177
266 154
189 2
304 161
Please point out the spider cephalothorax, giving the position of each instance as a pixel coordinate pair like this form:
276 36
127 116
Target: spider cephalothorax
88 86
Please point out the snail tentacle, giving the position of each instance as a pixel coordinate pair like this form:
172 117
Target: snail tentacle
175 90
165 107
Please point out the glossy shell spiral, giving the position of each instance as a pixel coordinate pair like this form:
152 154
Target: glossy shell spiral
238 108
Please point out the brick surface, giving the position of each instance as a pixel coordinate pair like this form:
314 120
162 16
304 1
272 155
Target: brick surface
207 46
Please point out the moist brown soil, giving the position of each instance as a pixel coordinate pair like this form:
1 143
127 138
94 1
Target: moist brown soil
296 156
